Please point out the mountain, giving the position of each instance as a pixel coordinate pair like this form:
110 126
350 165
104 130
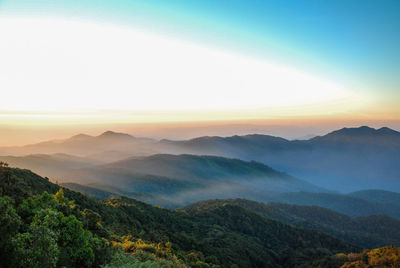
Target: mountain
93 192
378 196
366 232
362 135
103 192
342 203
108 146
243 146
346 204
335 161
225 235
55 166
188 178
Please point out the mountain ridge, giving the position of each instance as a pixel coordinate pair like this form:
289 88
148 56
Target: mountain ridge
332 161
187 178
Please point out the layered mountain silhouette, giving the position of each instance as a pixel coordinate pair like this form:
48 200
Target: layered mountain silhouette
349 159
109 146
348 204
188 178
55 166
378 196
363 135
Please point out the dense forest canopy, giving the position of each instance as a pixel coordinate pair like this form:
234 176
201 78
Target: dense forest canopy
45 225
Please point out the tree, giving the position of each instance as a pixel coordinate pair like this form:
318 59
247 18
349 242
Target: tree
9 224
59 196
5 174
75 243
38 246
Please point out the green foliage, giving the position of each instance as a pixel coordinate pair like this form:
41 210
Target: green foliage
46 230
38 246
51 231
142 259
385 257
133 252
75 242
10 222
9 219
367 232
379 257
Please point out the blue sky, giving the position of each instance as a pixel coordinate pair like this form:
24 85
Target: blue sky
346 38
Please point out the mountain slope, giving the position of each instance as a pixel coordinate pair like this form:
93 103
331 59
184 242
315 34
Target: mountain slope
225 236
103 192
362 135
341 203
378 196
367 232
108 146
188 178
335 161
55 166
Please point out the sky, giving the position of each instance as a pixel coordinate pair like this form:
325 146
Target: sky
68 66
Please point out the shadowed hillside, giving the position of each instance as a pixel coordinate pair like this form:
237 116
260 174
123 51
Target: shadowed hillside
108 146
335 161
206 238
188 178
367 232
378 196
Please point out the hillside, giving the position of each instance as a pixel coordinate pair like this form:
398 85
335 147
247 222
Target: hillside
335 161
378 196
103 192
342 203
189 178
108 146
55 166
367 232
388 256
212 237
363 135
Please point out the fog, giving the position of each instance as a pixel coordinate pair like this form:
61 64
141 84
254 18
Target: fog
19 134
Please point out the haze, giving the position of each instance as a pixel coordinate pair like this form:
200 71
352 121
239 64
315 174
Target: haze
64 71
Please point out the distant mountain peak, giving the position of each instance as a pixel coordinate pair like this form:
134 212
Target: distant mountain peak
364 130
386 130
355 130
110 133
362 134
81 136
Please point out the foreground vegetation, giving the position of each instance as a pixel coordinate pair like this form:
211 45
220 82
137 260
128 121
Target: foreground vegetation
366 232
44 225
385 257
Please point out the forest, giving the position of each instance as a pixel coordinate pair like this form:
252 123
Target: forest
45 225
